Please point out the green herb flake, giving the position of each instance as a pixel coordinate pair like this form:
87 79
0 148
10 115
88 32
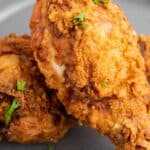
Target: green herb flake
80 18
104 84
103 1
10 110
50 146
96 1
83 25
21 85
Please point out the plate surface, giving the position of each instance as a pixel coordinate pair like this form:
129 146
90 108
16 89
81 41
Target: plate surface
15 16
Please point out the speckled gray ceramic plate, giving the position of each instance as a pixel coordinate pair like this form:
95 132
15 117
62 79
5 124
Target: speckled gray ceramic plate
15 16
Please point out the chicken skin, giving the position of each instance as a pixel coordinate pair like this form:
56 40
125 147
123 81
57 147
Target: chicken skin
40 117
89 53
144 41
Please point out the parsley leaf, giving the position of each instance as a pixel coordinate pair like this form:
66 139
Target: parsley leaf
103 1
10 110
80 18
21 85
104 84
83 25
50 146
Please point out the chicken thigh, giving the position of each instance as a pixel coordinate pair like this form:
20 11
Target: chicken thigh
89 54
29 112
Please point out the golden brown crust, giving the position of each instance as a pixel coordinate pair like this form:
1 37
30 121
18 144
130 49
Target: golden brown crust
144 42
41 118
98 70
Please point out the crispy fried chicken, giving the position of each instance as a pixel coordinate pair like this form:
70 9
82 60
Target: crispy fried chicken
89 54
40 117
144 41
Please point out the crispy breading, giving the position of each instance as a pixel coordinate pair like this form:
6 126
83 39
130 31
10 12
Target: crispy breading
96 67
40 118
144 42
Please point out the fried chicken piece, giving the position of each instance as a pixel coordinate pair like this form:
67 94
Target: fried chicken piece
144 42
89 54
40 118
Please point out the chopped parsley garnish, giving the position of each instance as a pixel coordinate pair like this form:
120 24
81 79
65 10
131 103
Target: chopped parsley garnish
80 18
21 85
103 1
10 110
50 146
104 84
83 25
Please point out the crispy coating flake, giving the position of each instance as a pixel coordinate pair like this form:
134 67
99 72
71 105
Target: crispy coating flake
41 118
144 42
97 71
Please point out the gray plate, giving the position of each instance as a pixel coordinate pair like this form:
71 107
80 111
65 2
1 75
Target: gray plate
14 17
